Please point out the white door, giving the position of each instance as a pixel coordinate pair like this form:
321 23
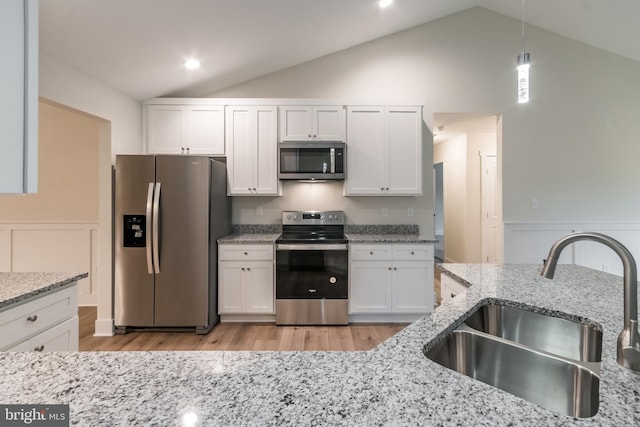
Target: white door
232 287
165 129
404 151
365 151
266 133
370 287
329 123
490 209
240 150
205 130
412 287
260 287
296 123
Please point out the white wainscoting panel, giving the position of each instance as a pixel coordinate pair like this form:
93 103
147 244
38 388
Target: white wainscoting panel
53 247
529 243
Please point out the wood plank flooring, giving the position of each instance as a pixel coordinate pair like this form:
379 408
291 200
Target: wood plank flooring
240 336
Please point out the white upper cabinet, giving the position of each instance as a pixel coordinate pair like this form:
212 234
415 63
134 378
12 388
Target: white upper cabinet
312 123
252 151
384 151
185 129
19 100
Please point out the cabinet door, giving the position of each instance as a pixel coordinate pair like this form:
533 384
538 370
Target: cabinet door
329 123
370 287
63 337
404 151
232 287
260 287
19 100
266 133
412 287
165 129
205 130
365 151
296 123
240 150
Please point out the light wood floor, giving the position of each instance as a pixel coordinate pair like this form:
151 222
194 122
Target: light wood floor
240 336
245 336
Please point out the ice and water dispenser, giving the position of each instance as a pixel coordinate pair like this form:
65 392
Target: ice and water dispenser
134 230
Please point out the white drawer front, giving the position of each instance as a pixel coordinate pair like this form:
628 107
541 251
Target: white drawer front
245 252
37 315
413 252
370 252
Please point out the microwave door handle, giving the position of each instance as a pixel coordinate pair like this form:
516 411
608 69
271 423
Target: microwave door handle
332 154
156 228
148 230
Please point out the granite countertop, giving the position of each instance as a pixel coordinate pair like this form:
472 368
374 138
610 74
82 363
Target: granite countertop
16 288
393 384
249 238
388 238
267 234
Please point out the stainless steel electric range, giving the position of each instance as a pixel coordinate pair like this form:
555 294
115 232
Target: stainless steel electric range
312 261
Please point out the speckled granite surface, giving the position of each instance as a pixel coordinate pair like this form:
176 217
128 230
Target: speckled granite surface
16 288
249 238
384 234
392 385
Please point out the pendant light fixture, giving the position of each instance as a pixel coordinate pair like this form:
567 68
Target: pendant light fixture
524 60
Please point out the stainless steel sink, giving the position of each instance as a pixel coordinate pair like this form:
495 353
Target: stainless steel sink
563 337
545 361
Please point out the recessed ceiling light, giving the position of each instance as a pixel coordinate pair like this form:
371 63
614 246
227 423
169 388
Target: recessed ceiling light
384 3
191 64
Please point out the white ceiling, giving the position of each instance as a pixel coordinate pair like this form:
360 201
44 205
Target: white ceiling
138 46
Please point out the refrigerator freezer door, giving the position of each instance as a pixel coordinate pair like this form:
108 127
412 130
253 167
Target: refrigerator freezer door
182 286
134 288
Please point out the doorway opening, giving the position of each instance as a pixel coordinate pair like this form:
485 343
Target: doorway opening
468 211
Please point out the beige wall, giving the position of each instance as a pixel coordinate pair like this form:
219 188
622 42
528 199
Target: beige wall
67 171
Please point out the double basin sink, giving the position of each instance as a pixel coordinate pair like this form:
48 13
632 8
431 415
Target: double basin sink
547 360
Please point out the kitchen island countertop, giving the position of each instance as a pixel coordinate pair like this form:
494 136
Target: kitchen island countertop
16 288
393 384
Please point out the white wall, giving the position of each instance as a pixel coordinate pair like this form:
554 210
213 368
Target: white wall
120 132
574 146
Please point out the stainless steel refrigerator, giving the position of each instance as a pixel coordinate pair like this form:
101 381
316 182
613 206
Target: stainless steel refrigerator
168 213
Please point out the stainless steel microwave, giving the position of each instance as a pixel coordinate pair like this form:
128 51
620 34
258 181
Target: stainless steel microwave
312 160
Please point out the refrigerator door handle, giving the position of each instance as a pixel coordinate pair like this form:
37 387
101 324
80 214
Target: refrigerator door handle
148 228
156 228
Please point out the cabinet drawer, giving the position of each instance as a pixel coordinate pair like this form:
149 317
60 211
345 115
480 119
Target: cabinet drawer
32 317
371 252
413 252
246 252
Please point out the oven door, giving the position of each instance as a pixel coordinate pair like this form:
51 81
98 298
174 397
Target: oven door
306 271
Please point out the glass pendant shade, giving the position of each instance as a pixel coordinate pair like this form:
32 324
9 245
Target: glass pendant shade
523 77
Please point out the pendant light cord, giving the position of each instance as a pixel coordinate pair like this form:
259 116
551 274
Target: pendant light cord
523 46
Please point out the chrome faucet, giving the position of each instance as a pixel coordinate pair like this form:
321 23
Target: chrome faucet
629 339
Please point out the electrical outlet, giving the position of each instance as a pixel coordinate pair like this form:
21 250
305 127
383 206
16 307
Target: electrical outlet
409 211
384 212
535 203
605 268
259 211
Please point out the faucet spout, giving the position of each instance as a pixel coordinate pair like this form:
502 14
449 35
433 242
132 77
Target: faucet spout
629 338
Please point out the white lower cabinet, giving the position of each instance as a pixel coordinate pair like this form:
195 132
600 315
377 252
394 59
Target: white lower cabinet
390 279
246 280
45 323
450 287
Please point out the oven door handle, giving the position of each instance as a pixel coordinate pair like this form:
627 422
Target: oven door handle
312 247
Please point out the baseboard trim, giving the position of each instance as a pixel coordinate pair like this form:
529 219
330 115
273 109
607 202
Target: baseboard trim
103 328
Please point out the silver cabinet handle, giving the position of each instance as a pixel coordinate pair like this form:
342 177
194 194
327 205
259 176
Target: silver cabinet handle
32 318
242 268
387 188
370 253
248 269
389 268
412 253
246 253
156 227
39 348
148 230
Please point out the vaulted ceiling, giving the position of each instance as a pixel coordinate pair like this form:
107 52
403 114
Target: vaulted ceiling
139 46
